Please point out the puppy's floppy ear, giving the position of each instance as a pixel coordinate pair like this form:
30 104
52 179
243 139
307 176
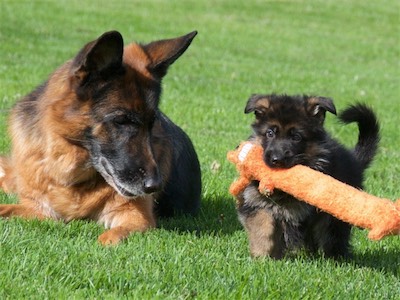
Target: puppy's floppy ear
99 56
163 53
259 104
318 106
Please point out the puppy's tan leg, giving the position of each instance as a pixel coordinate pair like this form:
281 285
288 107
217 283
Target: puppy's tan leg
265 235
134 216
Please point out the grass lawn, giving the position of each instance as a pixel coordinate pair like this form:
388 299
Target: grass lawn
346 49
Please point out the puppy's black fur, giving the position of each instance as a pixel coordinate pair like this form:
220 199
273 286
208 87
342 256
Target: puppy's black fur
290 129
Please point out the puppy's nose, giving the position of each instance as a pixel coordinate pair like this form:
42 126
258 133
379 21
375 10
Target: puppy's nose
277 160
152 184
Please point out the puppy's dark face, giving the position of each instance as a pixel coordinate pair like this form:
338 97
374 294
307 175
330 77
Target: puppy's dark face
290 128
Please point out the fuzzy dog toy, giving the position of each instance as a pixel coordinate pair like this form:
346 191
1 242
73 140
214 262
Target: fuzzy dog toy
381 216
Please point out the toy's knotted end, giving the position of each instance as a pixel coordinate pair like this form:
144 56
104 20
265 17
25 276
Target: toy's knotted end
376 235
238 155
392 229
232 157
238 186
397 205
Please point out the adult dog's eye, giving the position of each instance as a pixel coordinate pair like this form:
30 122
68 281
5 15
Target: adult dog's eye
270 133
121 120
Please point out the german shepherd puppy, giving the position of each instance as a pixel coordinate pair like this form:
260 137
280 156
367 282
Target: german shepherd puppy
290 130
91 143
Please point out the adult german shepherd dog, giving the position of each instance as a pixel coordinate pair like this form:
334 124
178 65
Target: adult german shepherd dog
91 143
290 130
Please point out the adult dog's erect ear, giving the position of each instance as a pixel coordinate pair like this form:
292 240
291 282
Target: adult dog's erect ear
259 104
99 56
163 53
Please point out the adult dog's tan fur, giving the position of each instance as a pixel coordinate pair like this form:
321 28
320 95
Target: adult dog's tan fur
50 167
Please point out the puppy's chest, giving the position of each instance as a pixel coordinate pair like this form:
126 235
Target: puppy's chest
281 205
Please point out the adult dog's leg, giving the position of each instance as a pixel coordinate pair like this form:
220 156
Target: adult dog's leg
20 210
123 219
7 179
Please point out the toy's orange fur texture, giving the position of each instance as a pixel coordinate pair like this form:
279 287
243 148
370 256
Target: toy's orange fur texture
381 216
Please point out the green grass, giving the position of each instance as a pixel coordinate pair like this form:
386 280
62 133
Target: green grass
347 50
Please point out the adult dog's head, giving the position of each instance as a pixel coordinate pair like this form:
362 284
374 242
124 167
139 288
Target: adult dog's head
112 110
290 128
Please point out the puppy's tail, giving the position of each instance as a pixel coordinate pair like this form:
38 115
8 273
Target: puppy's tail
368 126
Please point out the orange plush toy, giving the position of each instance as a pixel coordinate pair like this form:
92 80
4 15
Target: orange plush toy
380 216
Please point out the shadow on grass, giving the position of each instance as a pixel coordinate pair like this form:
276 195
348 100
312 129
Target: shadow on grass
216 215
384 260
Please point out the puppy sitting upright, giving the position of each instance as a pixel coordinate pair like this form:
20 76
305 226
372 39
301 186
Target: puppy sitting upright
91 142
290 130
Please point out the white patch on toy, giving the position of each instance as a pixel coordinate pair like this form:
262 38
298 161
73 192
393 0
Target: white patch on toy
2 173
245 150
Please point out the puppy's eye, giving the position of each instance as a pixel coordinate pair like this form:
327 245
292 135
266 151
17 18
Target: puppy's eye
270 133
258 113
296 137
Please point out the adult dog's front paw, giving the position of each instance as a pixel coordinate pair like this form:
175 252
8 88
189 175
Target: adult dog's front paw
113 236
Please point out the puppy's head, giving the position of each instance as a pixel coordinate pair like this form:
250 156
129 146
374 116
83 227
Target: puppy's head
115 107
288 127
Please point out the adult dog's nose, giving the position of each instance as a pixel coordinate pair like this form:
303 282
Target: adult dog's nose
152 184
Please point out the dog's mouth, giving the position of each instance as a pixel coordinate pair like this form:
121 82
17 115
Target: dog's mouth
106 172
275 162
123 192
280 165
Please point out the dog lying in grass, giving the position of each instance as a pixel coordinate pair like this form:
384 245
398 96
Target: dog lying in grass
91 142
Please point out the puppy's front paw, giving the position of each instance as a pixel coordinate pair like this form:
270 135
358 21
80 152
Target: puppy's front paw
266 188
265 191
